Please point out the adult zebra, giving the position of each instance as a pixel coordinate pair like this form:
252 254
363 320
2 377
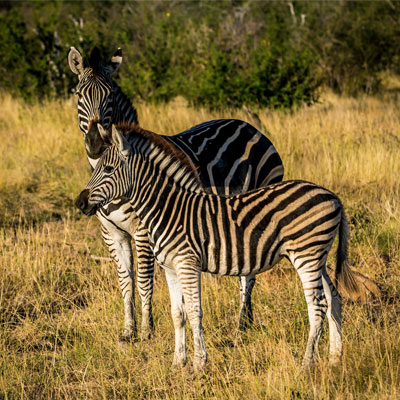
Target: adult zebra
192 231
232 157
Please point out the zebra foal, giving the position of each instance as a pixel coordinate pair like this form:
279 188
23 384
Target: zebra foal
191 231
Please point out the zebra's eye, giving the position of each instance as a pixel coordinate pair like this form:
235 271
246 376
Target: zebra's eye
108 169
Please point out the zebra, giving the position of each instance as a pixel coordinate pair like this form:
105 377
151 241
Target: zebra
232 156
192 230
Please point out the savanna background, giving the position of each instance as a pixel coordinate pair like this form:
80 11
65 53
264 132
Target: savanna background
319 78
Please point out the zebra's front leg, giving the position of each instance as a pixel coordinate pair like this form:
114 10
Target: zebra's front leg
120 247
178 317
189 278
145 274
246 310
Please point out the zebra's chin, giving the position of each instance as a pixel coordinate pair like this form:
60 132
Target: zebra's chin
91 210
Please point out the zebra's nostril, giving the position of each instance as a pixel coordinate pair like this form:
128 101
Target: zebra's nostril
81 203
82 200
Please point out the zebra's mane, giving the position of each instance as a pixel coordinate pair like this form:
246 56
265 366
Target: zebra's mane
160 141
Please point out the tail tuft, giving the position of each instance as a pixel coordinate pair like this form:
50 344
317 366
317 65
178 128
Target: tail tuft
345 280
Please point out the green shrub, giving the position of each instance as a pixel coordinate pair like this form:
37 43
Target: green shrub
353 41
270 80
216 54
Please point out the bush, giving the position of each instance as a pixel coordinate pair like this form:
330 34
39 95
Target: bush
216 54
354 42
270 80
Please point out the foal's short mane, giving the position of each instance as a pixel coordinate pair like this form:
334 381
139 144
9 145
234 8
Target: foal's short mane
161 142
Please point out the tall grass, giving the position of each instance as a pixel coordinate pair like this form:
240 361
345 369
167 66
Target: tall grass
61 312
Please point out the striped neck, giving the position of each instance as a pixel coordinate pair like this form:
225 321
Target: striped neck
123 110
155 159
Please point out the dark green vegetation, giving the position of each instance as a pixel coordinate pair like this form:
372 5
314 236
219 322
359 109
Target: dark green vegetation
217 54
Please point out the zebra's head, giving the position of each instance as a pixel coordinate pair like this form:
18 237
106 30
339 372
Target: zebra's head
111 178
95 89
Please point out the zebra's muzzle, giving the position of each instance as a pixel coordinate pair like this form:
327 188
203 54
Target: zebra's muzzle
82 202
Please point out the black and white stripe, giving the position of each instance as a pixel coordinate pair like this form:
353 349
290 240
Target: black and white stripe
231 155
192 231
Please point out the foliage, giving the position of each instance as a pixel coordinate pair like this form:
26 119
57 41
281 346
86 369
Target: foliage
354 41
217 54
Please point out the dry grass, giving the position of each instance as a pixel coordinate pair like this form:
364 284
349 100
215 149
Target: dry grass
61 313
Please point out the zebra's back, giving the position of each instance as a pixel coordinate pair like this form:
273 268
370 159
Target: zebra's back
232 155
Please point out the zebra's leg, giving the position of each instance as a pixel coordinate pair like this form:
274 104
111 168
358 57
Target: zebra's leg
145 274
334 314
189 279
310 274
120 247
178 317
246 310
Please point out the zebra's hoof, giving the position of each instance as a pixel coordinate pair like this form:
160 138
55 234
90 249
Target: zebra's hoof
199 364
146 335
245 320
147 332
334 361
242 327
126 338
308 365
179 362
122 345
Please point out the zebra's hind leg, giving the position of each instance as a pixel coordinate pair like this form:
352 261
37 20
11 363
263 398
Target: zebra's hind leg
178 317
145 274
310 273
120 247
334 315
246 310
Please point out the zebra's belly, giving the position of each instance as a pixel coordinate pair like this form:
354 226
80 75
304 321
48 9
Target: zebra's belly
220 261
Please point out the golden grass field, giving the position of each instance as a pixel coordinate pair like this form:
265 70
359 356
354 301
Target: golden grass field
61 312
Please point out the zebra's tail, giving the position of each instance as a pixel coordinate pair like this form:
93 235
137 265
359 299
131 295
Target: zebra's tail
345 281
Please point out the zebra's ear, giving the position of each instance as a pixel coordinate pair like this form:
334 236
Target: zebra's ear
113 65
103 133
75 61
119 140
